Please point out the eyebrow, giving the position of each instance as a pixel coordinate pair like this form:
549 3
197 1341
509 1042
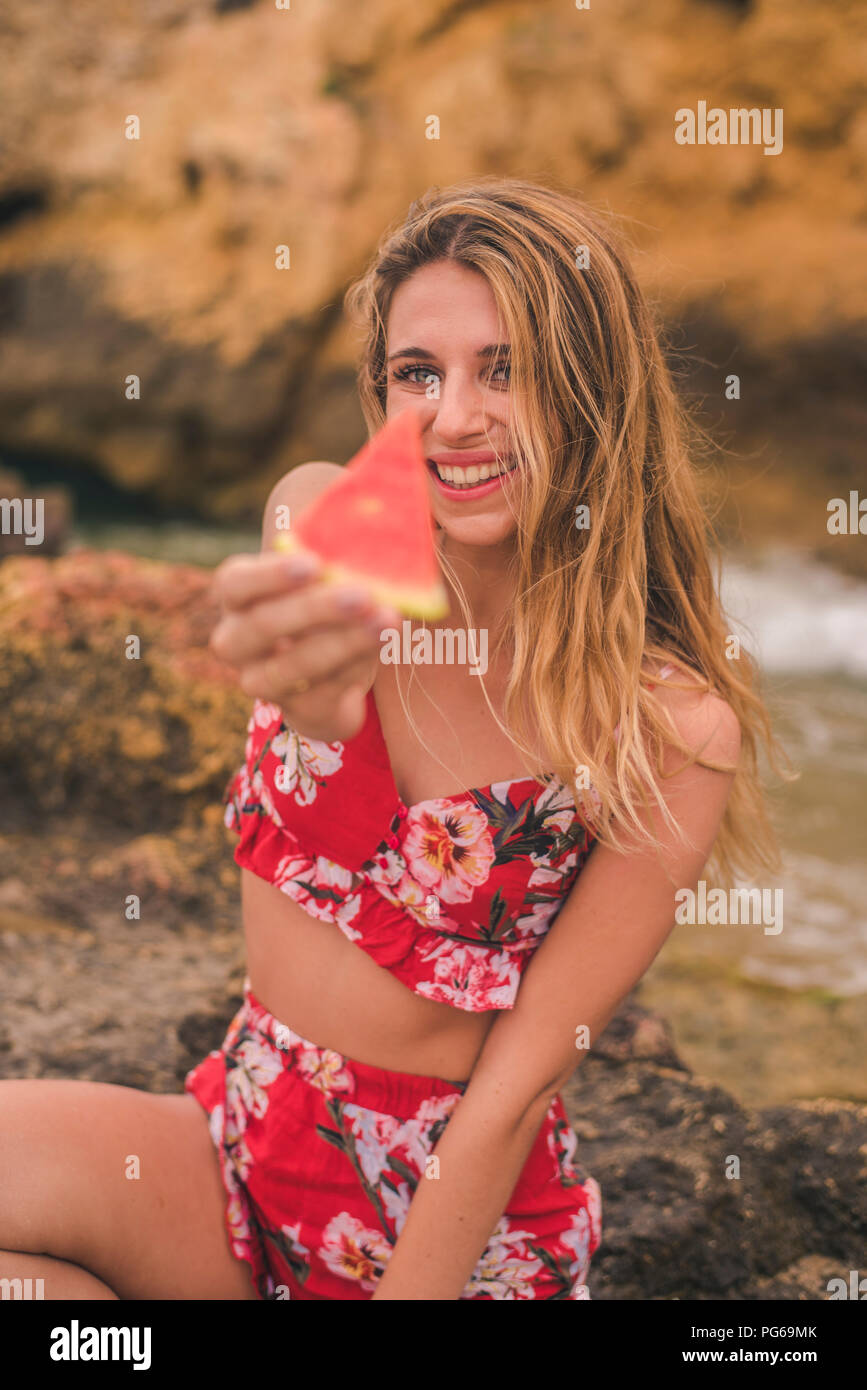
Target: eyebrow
489 350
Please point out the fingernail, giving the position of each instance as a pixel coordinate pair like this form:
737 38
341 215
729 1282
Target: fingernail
351 600
299 566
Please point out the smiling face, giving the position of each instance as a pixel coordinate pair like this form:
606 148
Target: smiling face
449 362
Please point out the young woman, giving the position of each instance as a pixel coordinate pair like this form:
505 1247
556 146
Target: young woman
449 880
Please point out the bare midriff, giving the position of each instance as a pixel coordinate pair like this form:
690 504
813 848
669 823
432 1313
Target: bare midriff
324 986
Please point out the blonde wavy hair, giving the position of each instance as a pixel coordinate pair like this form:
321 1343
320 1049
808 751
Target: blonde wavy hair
597 423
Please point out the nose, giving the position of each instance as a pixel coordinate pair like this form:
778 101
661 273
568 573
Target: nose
459 409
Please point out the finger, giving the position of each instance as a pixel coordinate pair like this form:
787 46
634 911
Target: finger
254 633
335 712
319 658
338 719
331 706
321 712
244 579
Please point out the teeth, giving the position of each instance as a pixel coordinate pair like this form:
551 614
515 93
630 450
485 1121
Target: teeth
470 477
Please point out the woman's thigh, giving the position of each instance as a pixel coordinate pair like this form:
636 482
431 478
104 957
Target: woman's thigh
122 1182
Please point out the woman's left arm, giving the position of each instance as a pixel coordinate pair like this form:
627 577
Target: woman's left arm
609 930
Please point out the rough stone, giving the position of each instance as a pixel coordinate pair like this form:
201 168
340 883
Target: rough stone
156 257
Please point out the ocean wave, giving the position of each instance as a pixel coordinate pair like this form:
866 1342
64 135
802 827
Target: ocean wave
797 614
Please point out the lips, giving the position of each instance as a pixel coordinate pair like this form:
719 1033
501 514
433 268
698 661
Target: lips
462 492
462 471
464 457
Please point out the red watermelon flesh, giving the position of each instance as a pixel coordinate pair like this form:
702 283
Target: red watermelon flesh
373 525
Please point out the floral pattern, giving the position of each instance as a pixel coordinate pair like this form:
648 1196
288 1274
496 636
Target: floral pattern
322 888
448 849
319 1180
454 895
471 972
305 763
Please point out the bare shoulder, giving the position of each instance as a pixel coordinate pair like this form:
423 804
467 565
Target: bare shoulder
295 490
705 722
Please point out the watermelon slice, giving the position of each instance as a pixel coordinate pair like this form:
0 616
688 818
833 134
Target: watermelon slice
373 525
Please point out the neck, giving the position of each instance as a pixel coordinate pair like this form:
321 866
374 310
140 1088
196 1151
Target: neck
483 572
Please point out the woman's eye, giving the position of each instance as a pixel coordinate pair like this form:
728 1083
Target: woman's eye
408 373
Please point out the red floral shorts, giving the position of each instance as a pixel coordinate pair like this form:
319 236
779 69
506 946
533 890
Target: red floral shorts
320 1157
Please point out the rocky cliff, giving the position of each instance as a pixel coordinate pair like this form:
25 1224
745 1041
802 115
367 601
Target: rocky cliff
305 127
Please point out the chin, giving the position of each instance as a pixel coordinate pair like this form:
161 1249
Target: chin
479 530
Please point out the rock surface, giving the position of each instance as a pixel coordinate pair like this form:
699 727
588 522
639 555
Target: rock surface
111 705
155 257
111 773
662 1142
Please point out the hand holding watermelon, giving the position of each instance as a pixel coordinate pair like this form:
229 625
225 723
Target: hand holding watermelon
373 525
292 638
296 643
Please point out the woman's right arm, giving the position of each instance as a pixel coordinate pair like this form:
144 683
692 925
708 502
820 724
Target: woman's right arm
277 625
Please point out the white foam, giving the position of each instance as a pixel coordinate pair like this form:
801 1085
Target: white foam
796 614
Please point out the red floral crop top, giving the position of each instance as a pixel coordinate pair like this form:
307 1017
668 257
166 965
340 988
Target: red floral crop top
452 895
